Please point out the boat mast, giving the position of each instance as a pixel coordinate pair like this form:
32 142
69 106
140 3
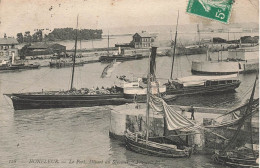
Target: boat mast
250 119
108 43
74 57
248 110
175 42
198 30
148 98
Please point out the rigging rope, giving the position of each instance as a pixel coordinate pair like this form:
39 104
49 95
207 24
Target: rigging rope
37 79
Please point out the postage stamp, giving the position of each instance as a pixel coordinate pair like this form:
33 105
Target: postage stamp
219 10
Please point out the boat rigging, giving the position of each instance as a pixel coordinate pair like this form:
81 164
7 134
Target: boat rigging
175 43
74 57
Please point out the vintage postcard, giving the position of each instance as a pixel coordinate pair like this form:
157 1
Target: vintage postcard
129 83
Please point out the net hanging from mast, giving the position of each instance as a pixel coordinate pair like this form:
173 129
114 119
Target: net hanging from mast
174 120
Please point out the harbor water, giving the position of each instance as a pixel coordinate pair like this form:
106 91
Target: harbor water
78 137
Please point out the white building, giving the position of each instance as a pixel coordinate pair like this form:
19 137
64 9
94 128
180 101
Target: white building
8 49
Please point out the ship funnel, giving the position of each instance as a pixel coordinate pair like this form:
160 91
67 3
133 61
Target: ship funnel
152 62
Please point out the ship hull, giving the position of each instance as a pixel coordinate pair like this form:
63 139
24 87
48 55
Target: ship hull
203 89
241 162
195 72
224 68
153 148
23 101
192 51
22 67
120 58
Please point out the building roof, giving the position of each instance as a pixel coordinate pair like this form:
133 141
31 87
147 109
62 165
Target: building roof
9 41
56 45
39 46
143 34
44 45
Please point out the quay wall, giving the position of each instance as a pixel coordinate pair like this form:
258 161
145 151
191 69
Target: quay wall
128 117
203 140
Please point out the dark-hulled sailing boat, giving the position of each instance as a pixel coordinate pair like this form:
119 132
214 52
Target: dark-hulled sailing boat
67 99
159 146
241 153
120 56
196 84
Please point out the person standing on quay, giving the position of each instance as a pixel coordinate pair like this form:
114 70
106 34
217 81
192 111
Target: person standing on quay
192 112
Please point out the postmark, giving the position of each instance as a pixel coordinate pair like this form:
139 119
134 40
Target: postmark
219 10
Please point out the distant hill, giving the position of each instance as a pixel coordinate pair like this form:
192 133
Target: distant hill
182 28
70 34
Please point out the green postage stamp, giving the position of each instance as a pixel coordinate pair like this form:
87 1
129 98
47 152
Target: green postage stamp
219 10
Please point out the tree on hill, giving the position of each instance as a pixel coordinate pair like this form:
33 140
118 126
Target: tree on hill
70 34
37 36
19 37
27 37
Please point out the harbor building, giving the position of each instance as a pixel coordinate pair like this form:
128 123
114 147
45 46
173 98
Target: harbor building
8 48
142 40
45 49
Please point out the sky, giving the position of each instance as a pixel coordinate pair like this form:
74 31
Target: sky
21 15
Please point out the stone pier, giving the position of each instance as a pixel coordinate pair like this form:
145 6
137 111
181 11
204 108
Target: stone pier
132 117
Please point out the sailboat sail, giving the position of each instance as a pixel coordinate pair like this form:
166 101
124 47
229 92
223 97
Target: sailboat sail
231 118
174 120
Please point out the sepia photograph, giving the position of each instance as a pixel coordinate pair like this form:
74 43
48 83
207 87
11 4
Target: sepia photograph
129 83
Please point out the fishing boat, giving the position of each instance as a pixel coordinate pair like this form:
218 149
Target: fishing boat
240 151
67 99
199 84
157 146
119 56
16 65
60 63
196 84
9 55
188 85
149 147
137 88
195 49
